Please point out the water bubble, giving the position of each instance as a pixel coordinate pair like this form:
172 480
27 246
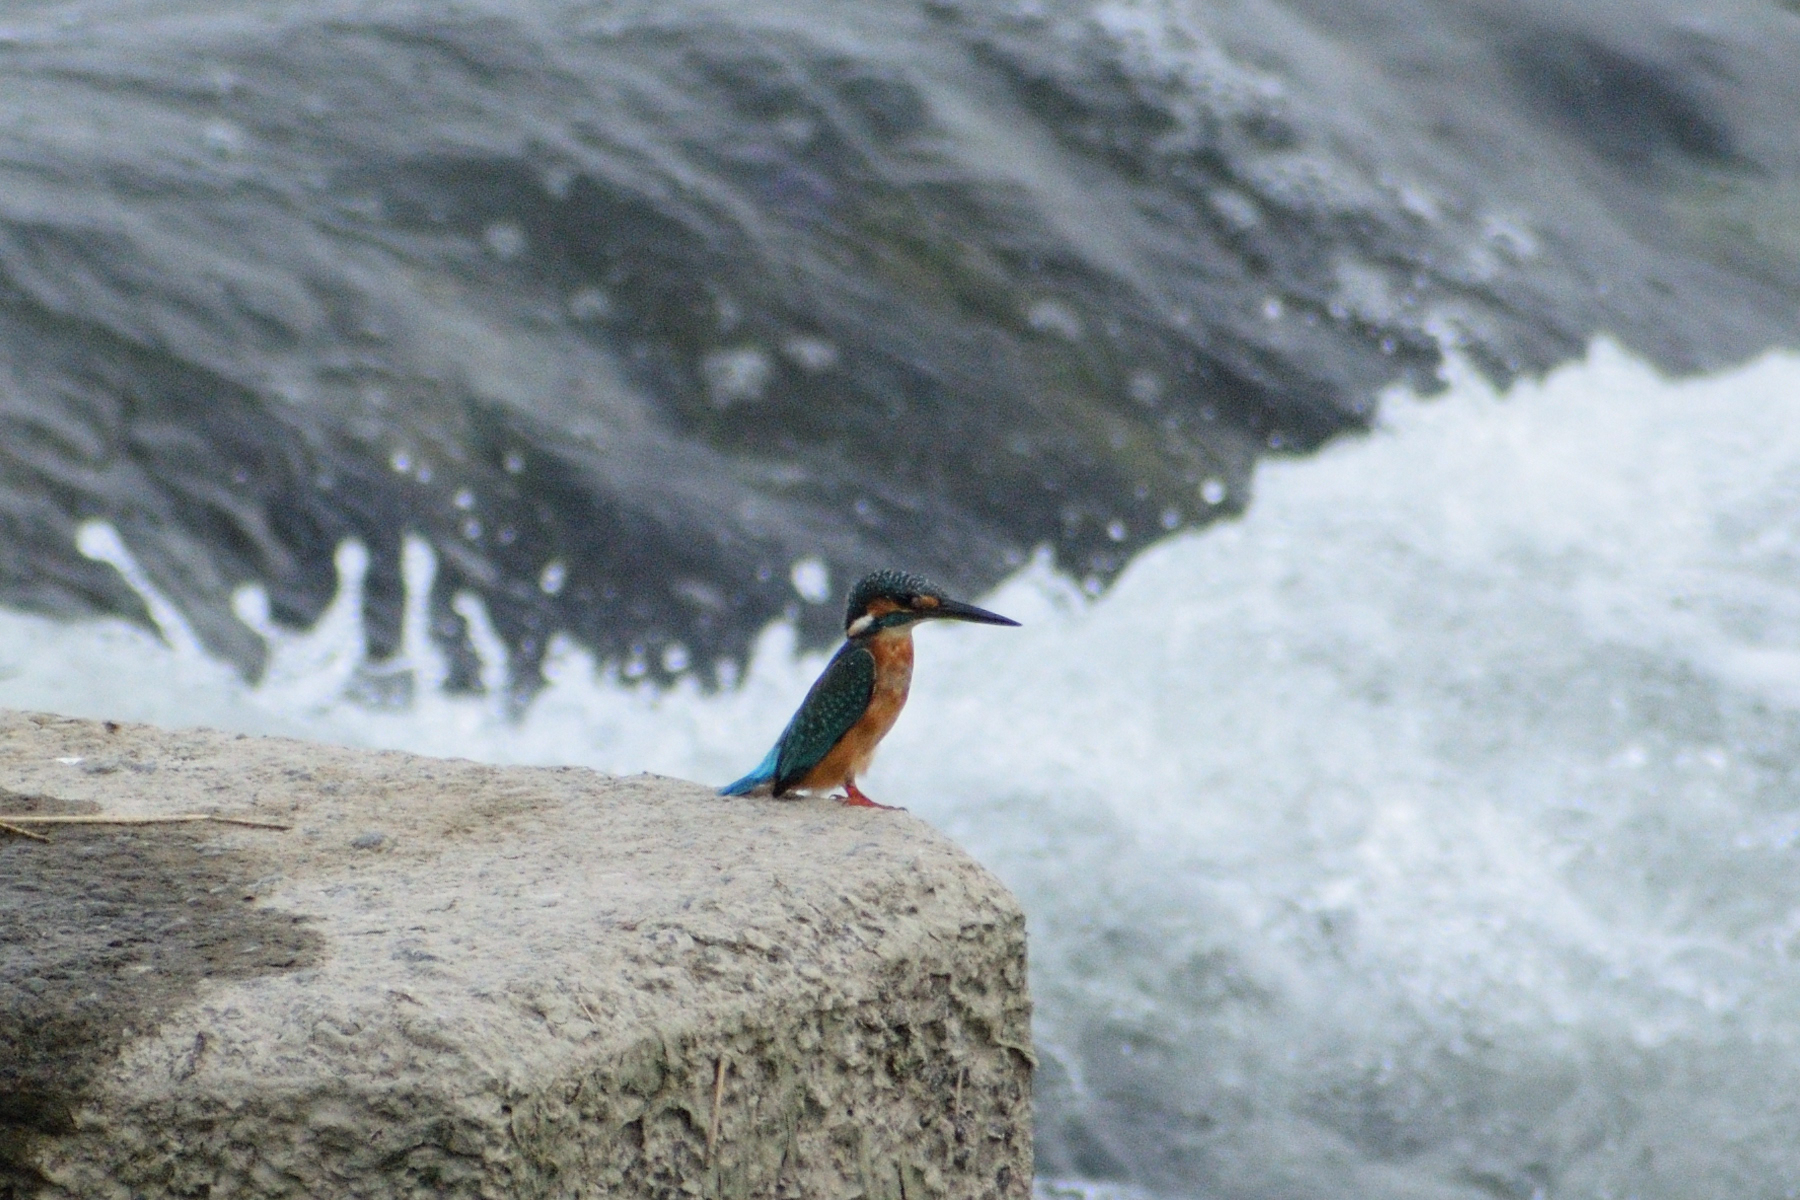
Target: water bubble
1512 236
224 139
736 375
251 604
1238 209
700 594
811 353
514 462
1417 200
1213 491
1272 308
812 579
1115 529
1056 317
1171 517
797 129
423 474
401 462
590 304
728 312
1146 387
471 529
504 240
553 577
464 499
557 180
675 658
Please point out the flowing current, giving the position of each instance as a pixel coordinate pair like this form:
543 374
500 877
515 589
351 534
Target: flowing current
1383 415
1428 832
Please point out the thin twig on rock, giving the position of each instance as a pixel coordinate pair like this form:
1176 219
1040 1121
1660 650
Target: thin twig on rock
712 1126
11 821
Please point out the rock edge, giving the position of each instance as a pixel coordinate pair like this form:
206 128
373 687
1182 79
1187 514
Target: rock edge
450 979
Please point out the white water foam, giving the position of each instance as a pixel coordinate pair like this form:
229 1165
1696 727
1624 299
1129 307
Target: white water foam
1430 832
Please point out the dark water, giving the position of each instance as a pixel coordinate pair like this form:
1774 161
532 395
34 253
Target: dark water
661 322
668 298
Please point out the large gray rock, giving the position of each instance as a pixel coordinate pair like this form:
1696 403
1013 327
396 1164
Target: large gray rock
450 979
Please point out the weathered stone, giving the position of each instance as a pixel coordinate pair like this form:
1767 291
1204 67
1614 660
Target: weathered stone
450 979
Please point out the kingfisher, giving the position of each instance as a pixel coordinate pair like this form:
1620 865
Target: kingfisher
855 701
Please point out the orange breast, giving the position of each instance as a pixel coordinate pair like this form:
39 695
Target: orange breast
893 651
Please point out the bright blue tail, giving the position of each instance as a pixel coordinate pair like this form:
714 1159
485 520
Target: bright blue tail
764 773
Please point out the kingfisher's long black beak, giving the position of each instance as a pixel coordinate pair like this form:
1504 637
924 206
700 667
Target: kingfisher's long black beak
956 610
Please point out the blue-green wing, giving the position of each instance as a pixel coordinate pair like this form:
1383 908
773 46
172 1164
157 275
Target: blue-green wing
836 702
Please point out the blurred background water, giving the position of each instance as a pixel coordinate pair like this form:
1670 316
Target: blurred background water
527 381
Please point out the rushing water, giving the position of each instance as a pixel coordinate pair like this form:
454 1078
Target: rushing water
526 379
1428 832
627 308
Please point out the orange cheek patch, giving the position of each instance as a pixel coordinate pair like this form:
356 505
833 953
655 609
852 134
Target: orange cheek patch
881 605
925 602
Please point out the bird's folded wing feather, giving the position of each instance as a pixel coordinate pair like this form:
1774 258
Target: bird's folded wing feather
837 701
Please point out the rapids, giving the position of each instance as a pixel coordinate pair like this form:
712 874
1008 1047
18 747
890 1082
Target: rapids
1427 832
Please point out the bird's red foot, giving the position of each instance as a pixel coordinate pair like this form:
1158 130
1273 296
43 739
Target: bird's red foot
853 798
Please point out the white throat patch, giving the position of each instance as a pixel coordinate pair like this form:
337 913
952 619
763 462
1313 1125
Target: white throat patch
859 625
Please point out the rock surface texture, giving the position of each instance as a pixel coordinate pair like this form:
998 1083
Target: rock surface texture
449 979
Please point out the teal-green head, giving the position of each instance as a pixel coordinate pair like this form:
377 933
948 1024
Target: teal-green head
892 599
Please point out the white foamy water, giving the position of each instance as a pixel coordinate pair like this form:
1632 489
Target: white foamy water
1431 832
